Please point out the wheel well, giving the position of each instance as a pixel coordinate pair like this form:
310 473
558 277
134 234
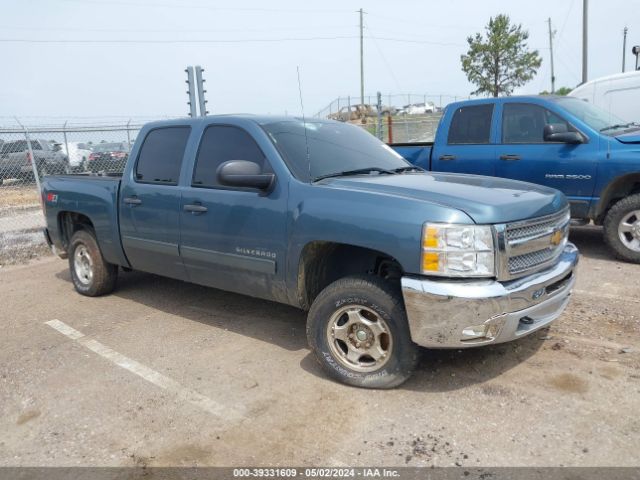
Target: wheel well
617 190
322 263
69 223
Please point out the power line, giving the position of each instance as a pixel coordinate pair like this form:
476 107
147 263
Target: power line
384 59
224 41
176 41
183 6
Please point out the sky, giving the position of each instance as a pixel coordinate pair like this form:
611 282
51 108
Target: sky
117 58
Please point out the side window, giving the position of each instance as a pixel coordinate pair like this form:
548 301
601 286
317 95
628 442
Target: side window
220 144
161 155
524 123
471 125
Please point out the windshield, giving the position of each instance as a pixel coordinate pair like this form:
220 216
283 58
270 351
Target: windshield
596 117
333 147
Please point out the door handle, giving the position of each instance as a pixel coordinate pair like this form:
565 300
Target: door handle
132 201
195 209
509 157
447 157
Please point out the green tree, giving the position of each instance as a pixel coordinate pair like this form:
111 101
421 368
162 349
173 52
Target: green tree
559 91
501 61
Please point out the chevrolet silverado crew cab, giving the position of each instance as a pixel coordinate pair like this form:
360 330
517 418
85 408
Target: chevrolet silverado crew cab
322 216
560 142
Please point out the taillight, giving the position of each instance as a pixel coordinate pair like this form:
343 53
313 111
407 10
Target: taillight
118 154
92 156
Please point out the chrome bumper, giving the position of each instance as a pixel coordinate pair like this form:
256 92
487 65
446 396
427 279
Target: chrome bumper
466 313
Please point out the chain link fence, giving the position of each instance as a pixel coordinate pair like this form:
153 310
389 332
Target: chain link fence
27 154
394 118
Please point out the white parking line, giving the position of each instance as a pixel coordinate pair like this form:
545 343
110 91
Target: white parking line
150 375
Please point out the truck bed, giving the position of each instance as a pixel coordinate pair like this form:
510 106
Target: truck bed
418 154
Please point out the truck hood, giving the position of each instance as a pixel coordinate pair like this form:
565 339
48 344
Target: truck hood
485 199
631 137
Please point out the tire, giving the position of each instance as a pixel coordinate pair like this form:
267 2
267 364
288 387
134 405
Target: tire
91 274
370 307
622 228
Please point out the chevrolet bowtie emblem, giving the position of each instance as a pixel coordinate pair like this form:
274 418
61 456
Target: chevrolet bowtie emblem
556 238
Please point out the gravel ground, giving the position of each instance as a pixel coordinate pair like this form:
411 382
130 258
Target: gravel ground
169 373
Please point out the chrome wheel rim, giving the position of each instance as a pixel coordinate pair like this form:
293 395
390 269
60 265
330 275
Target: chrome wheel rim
629 230
359 338
83 265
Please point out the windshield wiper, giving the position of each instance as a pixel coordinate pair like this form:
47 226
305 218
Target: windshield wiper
618 125
408 168
359 171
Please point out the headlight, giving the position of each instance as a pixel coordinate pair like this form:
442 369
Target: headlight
457 250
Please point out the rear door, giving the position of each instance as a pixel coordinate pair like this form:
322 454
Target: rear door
233 238
466 146
150 204
523 154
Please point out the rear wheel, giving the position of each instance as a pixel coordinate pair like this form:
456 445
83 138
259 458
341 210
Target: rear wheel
91 274
357 328
622 228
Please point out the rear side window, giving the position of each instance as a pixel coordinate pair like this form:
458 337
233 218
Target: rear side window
161 155
221 143
471 125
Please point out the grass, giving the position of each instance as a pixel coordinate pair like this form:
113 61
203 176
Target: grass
18 196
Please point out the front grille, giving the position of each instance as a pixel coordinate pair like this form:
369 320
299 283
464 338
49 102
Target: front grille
524 262
533 244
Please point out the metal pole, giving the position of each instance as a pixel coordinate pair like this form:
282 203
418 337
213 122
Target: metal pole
390 128
624 47
553 77
201 91
379 132
33 160
66 146
129 134
585 39
191 92
361 58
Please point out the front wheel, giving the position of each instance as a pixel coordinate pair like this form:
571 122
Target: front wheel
91 274
622 228
357 328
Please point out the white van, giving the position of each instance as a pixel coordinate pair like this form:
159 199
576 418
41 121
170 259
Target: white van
618 94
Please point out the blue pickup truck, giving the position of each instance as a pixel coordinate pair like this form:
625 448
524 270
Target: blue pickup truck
323 216
561 142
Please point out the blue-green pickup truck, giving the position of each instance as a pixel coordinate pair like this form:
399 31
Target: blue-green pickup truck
320 215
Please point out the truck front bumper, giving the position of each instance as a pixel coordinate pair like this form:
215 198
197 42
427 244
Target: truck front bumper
451 313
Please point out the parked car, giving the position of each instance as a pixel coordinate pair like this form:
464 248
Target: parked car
417 109
108 157
560 142
617 94
15 159
323 216
78 155
354 112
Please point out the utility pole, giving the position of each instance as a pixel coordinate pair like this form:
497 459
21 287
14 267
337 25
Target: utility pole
585 38
202 103
553 77
624 47
361 57
191 92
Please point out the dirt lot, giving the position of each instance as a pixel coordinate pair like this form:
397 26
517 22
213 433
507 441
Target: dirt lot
167 373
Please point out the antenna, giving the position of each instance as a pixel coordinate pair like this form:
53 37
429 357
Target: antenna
304 123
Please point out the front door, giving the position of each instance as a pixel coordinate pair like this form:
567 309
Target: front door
523 154
233 238
150 204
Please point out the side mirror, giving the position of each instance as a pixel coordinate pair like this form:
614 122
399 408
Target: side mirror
557 132
241 173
